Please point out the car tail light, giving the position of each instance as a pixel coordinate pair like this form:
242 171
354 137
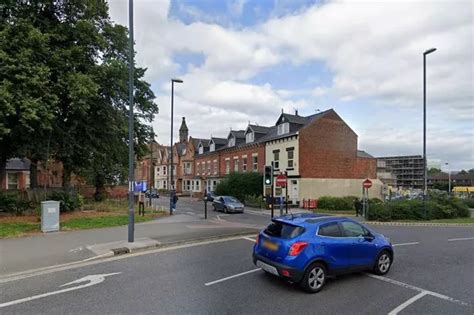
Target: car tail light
297 248
285 273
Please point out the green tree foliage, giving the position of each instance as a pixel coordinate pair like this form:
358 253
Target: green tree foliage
64 88
434 171
241 185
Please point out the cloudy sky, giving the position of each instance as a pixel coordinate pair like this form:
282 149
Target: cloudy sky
245 60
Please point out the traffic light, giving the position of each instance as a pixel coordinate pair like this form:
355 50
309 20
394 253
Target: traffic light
268 176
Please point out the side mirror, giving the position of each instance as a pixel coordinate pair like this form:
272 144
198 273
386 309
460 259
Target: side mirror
369 237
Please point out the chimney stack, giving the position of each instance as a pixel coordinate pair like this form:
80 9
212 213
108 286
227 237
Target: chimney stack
296 112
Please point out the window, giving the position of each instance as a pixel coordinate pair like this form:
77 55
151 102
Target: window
187 185
352 229
164 170
249 137
330 229
283 230
244 164
276 159
201 149
255 163
291 155
12 181
236 164
196 186
212 147
215 167
227 166
231 142
187 168
283 128
208 167
158 171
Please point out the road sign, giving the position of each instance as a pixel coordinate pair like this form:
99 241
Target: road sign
367 183
281 181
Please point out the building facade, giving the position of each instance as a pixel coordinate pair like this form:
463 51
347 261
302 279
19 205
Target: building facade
407 169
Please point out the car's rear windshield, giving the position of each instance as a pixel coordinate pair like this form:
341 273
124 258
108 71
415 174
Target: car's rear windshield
283 230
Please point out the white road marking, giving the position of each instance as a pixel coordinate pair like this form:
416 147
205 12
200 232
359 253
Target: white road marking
405 244
77 249
249 239
231 277
412 287
91 280
460 239
407 302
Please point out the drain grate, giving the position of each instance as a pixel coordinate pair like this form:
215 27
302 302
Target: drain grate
121 251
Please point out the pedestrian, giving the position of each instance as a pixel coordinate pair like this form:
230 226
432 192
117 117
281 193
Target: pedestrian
141 204
175 201
358 207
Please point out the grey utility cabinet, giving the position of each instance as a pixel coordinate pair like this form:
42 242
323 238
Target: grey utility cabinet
50 216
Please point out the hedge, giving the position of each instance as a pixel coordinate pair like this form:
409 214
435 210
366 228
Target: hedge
436 208
337 203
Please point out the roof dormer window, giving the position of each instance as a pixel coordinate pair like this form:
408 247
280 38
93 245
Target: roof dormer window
231 142
283 128
212 147
201 149
249 137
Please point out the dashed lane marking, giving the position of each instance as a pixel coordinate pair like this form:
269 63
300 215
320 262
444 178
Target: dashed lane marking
405 244
460 239
249 239
231 277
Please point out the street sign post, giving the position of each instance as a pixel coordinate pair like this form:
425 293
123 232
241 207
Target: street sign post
366 184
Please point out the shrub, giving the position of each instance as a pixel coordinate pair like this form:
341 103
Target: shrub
436 208
468 202
254 201
69 201
336 203
14 202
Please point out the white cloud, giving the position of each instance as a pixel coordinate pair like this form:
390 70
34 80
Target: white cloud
373 49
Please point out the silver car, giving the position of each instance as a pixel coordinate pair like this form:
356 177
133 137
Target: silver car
227 204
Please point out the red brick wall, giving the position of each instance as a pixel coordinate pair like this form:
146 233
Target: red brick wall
366 167
246 150
328 149
204 159
114 192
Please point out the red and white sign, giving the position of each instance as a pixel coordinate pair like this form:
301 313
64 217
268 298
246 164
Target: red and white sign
280 181
367 183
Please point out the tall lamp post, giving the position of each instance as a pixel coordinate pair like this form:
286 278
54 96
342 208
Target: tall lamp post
449 178
425 176
131 210
172 188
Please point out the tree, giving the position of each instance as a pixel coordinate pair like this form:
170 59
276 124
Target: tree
74 103
434 171
241 185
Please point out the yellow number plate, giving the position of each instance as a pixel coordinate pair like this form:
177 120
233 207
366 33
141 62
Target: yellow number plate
270 245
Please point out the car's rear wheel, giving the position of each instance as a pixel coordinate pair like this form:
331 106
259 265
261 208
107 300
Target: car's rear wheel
314 278
383 263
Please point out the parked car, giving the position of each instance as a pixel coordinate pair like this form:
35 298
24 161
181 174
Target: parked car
308 248
227 204
153 192
210 196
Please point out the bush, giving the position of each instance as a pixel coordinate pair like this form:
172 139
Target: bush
337 203
69 201
14 202
436 208
241 185
468 202
255 201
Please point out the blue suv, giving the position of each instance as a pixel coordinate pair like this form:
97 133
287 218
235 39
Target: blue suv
307 248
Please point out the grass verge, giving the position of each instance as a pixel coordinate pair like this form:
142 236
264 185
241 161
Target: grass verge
14 229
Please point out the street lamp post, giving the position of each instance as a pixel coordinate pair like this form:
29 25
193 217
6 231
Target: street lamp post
449 178
425 187
172 188
131 210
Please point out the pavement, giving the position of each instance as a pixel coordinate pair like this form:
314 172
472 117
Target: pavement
432 274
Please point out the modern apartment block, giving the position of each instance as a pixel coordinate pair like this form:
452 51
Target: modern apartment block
406 171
